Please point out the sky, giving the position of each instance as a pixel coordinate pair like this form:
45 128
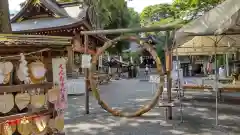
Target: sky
138 5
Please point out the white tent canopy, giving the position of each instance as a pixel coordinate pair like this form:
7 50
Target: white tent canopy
205 45
224 19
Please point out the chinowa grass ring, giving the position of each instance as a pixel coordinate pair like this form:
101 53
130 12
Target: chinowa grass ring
94 88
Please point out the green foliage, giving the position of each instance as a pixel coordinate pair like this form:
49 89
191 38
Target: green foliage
136 57
156 13
180 10
113 14
194 8
220 60
134 18
62 1
109 11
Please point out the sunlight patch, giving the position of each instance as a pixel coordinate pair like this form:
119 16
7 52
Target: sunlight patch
202 109
134 124
142 99
152 114
224 117
165 124
176 132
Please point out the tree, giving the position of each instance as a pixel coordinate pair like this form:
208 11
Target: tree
107 11
113 14
134 18
5 26
185 10
191 9
156 13
129 19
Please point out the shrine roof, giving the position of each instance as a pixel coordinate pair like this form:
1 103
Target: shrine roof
49 4
64 14
75 15
43 15
43 23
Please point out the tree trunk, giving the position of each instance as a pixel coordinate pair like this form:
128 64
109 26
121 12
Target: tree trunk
5 26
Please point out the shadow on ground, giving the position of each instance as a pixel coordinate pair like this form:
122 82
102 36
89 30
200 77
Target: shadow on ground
198 118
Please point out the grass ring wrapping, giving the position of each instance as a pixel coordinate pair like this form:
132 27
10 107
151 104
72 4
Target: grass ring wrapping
94 88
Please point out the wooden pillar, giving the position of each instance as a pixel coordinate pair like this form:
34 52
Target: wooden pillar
86 72
48 62
70 54
168 60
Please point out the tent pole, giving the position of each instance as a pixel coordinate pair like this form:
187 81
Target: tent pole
227 63
216 76
216 82
180 90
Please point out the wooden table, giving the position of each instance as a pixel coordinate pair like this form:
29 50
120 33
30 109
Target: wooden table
225 88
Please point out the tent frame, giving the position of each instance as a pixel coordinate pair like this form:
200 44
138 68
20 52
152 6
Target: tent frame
216 76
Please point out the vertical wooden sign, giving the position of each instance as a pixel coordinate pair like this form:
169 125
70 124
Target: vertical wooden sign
59 80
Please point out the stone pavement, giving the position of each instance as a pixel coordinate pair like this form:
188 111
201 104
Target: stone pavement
199 118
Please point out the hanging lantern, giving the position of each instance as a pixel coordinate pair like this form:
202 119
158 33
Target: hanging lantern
131 60
120 59
109 59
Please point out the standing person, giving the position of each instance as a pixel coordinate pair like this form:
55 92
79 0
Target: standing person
221 72
146 70
209 68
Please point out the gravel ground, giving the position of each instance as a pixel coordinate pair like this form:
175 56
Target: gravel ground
198 117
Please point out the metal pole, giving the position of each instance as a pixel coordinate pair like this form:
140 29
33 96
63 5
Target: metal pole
216 82
109 60
227 64
179 88
86 72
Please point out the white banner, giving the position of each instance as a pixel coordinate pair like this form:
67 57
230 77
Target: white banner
59 80
86 61
154 79
100 61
